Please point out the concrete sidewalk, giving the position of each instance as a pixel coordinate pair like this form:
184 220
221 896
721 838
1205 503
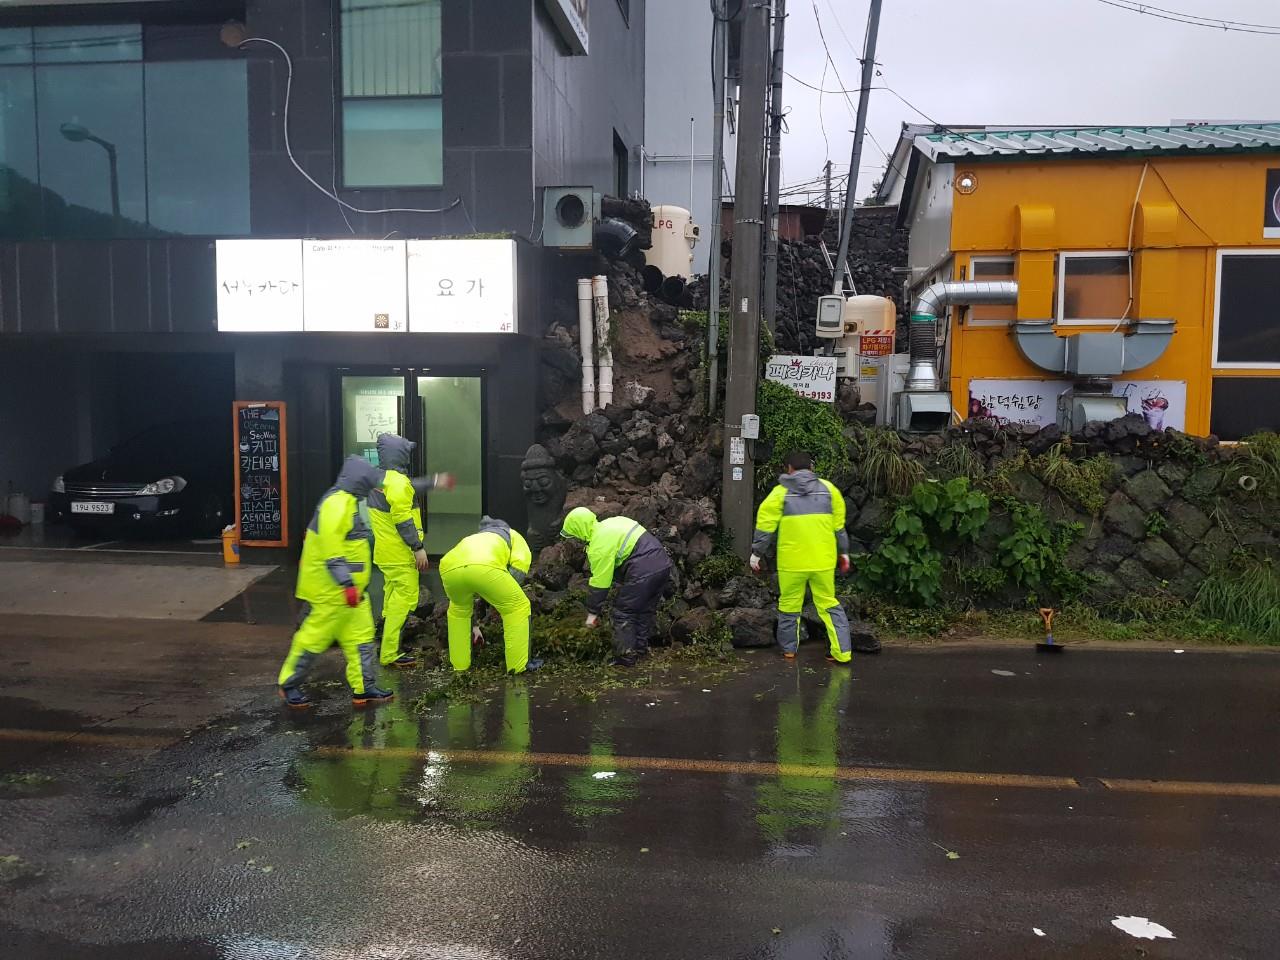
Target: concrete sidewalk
160 591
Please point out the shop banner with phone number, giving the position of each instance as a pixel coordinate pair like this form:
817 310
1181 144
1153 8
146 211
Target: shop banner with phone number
812 377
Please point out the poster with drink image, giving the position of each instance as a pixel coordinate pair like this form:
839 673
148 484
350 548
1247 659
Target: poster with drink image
1163 403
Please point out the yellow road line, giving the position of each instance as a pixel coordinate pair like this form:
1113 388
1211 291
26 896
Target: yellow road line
684 765
962 778
120 741
1194 788
759 769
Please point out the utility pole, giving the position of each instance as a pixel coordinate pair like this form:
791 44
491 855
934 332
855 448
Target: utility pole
737 497
826 173
775 169
851 184
719 28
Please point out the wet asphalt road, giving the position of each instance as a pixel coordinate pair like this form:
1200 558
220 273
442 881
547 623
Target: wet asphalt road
922 805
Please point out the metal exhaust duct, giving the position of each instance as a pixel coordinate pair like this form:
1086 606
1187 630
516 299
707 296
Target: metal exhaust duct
923 373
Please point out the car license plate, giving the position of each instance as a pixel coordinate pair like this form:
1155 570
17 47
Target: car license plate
82 507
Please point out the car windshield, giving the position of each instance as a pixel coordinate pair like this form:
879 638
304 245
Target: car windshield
165 437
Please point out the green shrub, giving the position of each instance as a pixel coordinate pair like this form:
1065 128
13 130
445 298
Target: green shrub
908 562
1034 553
719 568
791 422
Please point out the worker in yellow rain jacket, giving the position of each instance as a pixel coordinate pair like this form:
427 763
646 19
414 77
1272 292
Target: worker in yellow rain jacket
803 518
333 576
620 548
398 546
491 565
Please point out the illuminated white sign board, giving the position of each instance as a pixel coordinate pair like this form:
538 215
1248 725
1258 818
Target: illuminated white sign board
354 286
259 285
366 286
462 286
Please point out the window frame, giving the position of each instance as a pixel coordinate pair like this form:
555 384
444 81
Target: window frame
339 118
1060 295
969 320
1215 363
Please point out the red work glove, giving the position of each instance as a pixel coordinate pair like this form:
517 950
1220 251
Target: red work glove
353 596
843 565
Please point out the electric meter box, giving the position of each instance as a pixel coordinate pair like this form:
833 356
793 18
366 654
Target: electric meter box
831 316
750 426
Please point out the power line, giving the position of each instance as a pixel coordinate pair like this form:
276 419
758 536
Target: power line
1192 19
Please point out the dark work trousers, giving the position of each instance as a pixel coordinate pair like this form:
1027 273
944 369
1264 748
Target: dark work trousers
644 578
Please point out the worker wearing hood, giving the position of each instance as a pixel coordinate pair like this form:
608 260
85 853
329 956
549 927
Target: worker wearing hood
802 519
333 576
398 547
620 548
490 565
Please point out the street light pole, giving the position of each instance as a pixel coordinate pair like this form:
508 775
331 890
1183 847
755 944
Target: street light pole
115 174
738 476
78 133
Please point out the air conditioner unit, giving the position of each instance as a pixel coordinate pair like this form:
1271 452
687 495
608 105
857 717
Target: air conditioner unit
569 215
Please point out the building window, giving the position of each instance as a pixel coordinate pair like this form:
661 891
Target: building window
621 166
391 105
1244 405
992 268
95 141
1092 287
1246 328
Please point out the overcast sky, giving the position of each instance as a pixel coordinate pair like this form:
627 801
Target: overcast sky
1027 62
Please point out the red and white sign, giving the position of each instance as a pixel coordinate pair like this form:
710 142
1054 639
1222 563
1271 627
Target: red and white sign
812 377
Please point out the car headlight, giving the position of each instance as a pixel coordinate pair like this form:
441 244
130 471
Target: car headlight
59 485
161 487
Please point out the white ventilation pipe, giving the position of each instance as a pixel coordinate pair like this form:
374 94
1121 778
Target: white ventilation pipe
600 294
585 343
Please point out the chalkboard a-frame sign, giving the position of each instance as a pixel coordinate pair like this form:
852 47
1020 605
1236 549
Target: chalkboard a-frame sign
262 474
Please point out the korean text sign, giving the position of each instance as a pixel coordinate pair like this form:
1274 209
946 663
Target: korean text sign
261 473
812 377
1035 402
259 285
367 286
462 286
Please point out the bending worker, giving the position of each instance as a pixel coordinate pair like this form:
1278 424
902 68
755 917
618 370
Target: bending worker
398 547
620 547
490 565
333 575
803 517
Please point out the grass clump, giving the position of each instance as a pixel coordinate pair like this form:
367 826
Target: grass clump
1256 465
880 465
1246 598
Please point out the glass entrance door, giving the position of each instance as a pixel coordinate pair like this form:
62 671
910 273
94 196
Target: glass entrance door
444 415
451 439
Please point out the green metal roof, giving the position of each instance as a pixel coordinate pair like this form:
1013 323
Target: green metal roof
1094 141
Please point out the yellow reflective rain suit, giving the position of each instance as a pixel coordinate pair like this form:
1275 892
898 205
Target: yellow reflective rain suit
803 518
490 565
336 555
397 535
621 547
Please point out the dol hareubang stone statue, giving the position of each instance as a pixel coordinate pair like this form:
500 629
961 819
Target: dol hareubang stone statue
545 489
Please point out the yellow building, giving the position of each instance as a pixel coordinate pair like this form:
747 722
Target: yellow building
1102 227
